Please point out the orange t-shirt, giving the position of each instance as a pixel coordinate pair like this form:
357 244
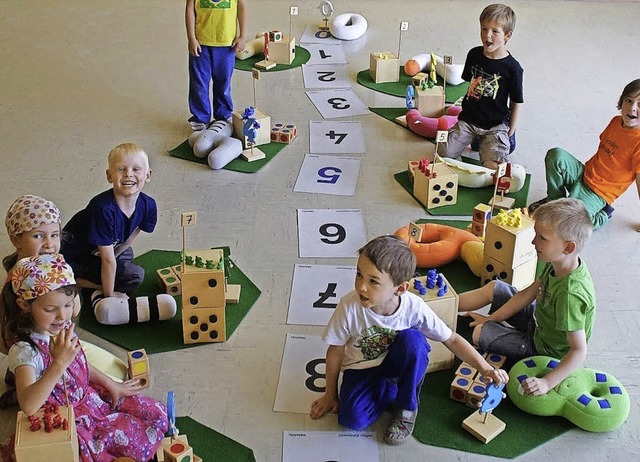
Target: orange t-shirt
616 163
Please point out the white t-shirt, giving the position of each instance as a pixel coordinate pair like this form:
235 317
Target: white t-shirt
368 336
23 354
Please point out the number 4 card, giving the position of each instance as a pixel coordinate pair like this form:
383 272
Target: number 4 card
336 137
302 374
335 175
316 291
328 233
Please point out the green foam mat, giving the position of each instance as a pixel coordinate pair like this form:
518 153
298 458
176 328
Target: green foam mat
184 151
212 446
468 198
452 92
439 421
302 56
157 337
391 113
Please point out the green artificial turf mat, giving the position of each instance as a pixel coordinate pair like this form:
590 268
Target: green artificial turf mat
439 421
184 151
468 198
157 337
302 56
452 92
212 446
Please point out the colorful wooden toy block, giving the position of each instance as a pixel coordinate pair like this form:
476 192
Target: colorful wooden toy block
44 443
169 280
384 67
436 190
283 133
283 51
139 367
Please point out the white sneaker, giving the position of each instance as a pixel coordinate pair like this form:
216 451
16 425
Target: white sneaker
197 126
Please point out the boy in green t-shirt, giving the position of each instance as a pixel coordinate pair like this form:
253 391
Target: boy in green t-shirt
554 316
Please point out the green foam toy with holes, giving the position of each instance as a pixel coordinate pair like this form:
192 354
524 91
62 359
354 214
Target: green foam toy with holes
593 400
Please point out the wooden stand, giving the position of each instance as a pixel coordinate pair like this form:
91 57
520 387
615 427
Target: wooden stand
485 427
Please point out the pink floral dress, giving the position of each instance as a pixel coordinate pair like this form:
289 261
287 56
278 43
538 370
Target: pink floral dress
133 429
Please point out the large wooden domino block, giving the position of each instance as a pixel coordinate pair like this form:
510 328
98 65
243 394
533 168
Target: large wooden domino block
264 131
460 388
476 394
438 191
40 446
430 101
485 427
169 280
203 325
510 245
203 287
283 133
177 451
519 277
283 51
446 307
384 67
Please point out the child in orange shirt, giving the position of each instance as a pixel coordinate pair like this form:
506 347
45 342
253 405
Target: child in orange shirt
609 172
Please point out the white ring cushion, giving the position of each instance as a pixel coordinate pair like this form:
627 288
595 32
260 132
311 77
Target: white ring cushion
348 26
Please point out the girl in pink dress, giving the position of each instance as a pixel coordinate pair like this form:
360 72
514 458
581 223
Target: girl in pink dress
112 419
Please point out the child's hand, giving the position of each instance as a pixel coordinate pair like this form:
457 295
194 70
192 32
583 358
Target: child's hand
478 319
323 405
239 43
535 386
497 376
120 390
65 347
194 48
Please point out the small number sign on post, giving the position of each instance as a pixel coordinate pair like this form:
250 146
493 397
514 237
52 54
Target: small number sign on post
293 11
404 25
255 73
448 59
186 219
415 232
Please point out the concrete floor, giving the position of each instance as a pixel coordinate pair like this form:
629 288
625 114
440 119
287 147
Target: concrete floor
79 77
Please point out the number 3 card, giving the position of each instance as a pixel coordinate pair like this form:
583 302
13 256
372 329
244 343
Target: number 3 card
316 291
329 233
328 175
337 103
302 374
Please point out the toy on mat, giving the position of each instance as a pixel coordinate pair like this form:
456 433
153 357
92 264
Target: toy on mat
428 126
478 176
436 188
348 26
115 310
326 9
468 386
216 144
483 424
175 447
139 367
593 400
250 127
452 73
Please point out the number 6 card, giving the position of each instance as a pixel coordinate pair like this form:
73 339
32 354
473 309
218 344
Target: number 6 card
328 233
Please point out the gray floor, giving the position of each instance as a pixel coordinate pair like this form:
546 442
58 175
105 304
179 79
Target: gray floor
79 77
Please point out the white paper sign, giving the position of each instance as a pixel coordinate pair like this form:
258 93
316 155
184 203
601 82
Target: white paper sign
337 103
316 291
336 137
329 233
329 446
324 77
302 374
326 54
335 175
313 34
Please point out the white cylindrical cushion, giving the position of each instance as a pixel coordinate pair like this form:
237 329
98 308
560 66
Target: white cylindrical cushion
454 71
417 63
348 26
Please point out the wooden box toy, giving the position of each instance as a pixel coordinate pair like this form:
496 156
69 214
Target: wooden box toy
283 133
481 213
438 191
169 280
485 427
430 101
177 451
203 287
264 131
446 307
420 78
275 36
510 245
40 446
203 325
283 51
519 277
139 366
460 388
384 67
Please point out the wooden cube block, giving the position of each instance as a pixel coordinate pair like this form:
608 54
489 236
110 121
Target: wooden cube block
138 362
519 277
460 389
203 287
41 446
283 51
275 36
438 191
169 280
384 67
283 133
165 444
430 101
178 451
232 294
495 360
510 245
263 136
485 427
419 78
478 229
466 371
476 394
481 213
203 325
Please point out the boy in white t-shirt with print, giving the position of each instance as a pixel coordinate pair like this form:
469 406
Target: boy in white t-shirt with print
377 337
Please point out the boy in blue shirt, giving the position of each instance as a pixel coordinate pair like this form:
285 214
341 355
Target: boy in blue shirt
97 240
491 106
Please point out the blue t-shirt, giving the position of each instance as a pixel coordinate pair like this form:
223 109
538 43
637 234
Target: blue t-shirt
493 82
102 223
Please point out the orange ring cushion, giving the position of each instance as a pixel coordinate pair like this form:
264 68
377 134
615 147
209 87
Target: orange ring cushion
440 244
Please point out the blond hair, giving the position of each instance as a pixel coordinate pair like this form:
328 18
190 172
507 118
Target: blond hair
391 255
568 218
127 149
502 14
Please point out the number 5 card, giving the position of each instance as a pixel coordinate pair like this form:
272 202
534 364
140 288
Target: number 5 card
329 233
328 175
316 291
